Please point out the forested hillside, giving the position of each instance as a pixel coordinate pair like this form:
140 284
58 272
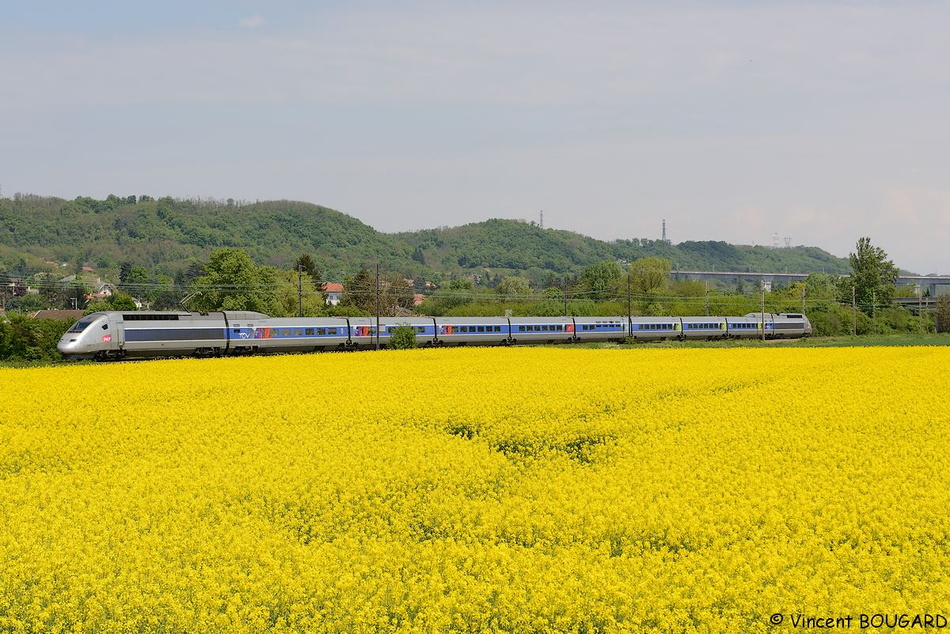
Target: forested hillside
165 235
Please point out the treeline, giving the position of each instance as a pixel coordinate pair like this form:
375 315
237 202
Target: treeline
165 236
26 339
231 280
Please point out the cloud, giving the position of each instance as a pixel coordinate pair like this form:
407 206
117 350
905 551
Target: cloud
252 22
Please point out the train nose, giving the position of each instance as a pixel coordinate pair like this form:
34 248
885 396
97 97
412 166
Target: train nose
66 345
71 346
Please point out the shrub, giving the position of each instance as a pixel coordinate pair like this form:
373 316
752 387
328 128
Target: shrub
402 338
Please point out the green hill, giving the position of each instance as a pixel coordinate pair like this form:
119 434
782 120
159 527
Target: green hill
165 235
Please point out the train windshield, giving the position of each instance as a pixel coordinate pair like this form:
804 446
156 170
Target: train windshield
82 324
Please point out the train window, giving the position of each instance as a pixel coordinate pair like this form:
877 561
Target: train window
285 332
332 331
309 332
298 331
237 331
481 329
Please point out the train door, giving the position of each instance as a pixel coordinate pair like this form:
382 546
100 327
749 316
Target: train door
117 331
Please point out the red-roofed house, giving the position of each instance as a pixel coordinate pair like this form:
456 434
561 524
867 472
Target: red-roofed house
334 293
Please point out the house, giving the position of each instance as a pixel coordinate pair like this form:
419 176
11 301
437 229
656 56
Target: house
334 293
102 291
71 315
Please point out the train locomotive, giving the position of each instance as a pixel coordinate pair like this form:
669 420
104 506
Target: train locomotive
134 335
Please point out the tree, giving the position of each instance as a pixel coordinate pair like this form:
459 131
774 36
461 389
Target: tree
513 287
26 339
133 279
360 291
601 280
873 277
394 293
942 313
232 282
649 277
456 293
308 266
56 294
397 293
402 337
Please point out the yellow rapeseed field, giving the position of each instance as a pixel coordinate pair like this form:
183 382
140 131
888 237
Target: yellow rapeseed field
480 490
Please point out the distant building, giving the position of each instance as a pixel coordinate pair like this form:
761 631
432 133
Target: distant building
334 293
102 292
71 315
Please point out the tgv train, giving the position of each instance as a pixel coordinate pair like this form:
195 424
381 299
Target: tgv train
118 335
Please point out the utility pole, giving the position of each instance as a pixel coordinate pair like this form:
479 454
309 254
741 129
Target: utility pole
377 305
874 310
920 309
854 313
763 310
300 290
707 298
564 293
629 311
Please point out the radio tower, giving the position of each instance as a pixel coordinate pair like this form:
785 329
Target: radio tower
664 238
542 219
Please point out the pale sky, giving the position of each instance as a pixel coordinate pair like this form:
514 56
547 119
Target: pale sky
734 120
